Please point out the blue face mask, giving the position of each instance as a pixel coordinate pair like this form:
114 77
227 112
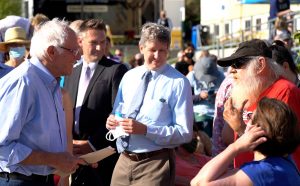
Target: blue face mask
17 52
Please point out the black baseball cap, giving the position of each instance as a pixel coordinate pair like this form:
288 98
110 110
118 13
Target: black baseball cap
255 47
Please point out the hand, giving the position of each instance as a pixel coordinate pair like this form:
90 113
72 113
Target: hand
111 122
132 126
234 116
81 147
253 136
203 95
66 162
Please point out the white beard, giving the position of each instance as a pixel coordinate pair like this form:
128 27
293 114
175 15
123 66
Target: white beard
248 87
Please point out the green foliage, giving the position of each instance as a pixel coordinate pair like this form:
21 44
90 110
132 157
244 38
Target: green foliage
10 7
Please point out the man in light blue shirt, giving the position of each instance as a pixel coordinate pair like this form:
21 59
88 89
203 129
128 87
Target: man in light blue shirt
163 121
32 124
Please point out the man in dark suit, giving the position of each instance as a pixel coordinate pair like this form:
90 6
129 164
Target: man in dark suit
93 86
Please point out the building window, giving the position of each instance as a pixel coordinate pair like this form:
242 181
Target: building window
247 25
216 30
226 28
258 24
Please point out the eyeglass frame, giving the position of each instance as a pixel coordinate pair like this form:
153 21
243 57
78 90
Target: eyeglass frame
241 62
74 52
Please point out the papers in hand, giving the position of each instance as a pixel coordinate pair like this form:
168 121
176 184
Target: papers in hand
96 156
92 157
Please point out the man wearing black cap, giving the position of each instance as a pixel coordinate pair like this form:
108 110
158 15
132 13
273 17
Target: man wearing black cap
255 75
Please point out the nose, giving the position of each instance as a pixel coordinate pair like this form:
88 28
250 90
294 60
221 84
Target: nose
98 47
232 70
156 54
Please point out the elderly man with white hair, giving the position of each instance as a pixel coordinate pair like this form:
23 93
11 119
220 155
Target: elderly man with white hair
33 141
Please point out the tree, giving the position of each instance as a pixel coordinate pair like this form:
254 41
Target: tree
11 7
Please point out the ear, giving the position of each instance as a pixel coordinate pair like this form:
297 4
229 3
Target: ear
286 65
261 65
141 47
51 51
79 41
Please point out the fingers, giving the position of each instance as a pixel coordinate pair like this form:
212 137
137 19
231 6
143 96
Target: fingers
111 122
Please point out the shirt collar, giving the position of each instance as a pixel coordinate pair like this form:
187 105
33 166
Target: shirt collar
156 73
92 65
44 74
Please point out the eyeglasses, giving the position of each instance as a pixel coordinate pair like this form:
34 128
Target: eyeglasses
74 52
239 63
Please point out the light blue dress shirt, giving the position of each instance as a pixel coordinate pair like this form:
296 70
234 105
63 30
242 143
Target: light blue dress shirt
167 109
32 117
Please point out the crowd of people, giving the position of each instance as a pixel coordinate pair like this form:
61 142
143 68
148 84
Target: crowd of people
205 120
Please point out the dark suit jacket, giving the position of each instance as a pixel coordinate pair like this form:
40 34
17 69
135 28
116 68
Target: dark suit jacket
98 101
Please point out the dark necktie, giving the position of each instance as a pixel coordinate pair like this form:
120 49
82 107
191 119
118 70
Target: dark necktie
136 103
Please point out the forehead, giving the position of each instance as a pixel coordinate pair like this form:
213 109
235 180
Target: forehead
156 45
95 34
189 49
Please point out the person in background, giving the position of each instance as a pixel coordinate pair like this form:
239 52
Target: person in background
205 77
93 86
284 58
137 60
14 21
187 64
108 53
33 141
37 20
75 26
280 27
188 161
14 46
164 20
158 114
273 135
288 44
4 69
221 137
253 60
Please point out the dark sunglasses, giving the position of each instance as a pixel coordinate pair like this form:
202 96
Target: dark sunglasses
239 63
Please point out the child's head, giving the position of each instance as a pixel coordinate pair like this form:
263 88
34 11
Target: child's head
281 127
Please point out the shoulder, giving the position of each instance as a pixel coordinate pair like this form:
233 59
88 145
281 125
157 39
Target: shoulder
108 63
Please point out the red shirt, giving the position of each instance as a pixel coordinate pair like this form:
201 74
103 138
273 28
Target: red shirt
285 91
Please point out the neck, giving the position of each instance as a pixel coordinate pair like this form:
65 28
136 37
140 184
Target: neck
258 156
13 62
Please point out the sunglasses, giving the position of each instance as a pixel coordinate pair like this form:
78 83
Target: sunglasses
240 63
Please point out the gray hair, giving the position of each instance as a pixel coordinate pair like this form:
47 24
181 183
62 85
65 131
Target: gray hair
155 32
51 33
274 68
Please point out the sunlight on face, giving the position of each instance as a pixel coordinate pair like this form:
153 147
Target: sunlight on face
155 54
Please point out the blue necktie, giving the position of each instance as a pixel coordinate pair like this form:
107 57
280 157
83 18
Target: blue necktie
136 104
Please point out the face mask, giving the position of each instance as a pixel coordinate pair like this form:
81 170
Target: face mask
17 52
190 55
190 147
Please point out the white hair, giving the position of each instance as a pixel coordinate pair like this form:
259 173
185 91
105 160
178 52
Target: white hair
51 33
251 90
